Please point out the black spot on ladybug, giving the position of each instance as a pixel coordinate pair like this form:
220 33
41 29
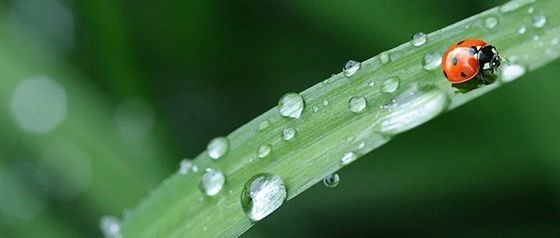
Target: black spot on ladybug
463 75
454 61
460 42
444 73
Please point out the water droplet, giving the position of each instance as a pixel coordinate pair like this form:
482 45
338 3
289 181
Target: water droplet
390 85
110 227
357 104
291 105
419 39
347 158
186 166
351 67
212 181
218 147
315 109
262 195
264 150
331 180
531 10
522 29
39 104
491 22
263 125
411 109
432 61
511 72
539 21
371 83
384 57
288 133
362 145
325 103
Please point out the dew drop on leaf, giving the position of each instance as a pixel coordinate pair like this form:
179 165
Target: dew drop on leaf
261 195
331 180
291 105
351 67
264 150
212 181
357 104
419 39
218 147
288 133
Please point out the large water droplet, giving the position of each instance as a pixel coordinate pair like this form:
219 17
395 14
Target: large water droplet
291 105
491 22
218 147
432 61
263 125
212 182
357 104
288 133
351 67
511 72
262 195
539 21
264 150
347 158
411 109
110 227
419 39
390 85
522 29
331 180
186 166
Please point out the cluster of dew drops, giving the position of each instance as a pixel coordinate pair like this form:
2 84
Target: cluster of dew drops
265 192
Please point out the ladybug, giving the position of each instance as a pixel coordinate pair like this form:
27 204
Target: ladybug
470 64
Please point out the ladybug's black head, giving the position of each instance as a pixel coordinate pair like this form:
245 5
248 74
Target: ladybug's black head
488 58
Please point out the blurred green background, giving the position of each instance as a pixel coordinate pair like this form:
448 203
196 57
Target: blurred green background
101 99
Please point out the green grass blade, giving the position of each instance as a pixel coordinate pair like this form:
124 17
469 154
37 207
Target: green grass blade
326 132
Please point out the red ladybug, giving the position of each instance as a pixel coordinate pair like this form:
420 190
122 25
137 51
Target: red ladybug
470 64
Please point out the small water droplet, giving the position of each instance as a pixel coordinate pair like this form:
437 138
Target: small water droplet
432 61
357 104
411 109
264 150
315 109
419 39
384 57
371 83
325 103
531 10
186 166
362 145
511 72
390 85
351 67
522 29
288 133
218 147
262 195
491 22
331 180
291 105
110 227
212 181
347 158
264 125
539 21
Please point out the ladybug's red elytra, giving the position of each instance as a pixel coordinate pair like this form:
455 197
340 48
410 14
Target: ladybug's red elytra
470 64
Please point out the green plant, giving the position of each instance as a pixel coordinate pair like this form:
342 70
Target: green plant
403 88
